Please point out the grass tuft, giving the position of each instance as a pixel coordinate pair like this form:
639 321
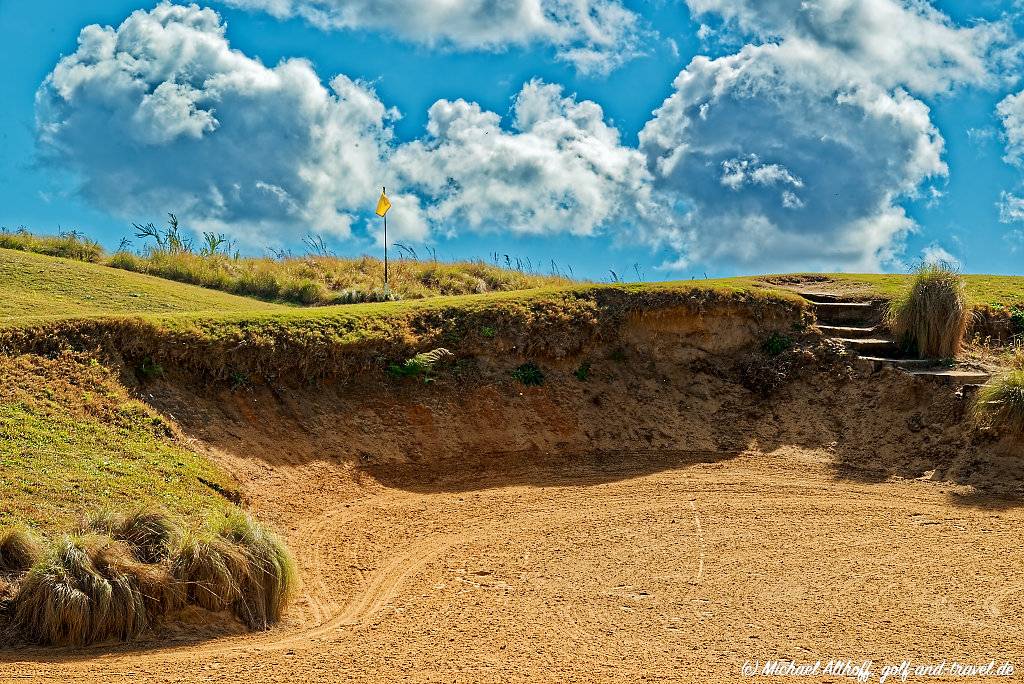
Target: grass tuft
1000 403
150 533
273 576
81 592
932 316
19 550
235 564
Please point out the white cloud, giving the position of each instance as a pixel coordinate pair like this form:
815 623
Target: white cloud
890 42
798 150
781 156
1011 208
594 35
936 254
561 168
161 115
1011 111
781 159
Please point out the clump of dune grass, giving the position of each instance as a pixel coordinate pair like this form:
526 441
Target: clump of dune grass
122 573
235 564
19 550
82 591
69 244
150 533
932 316
1000 403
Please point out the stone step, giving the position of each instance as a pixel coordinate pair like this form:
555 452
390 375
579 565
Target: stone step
845 313
847 332
821 297
872 346
927 369
877 363
953 376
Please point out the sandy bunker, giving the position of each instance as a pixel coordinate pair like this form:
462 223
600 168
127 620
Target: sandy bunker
692 504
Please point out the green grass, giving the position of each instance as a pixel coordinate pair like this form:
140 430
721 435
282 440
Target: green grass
1000 403
33 286
991 290
71 439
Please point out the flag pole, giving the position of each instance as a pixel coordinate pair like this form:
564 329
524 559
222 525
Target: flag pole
384 191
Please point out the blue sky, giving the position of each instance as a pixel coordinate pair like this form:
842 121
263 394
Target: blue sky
802 139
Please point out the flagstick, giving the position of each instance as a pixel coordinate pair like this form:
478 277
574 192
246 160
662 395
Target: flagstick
384 191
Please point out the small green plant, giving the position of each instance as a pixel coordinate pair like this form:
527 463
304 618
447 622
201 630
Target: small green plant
149 369
1017 320
421 365
583 372
776 344
529 374
488 331
239 380
1000 404
932 316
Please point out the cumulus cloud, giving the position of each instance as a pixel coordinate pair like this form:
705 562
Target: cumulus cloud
776 158
560 169
1011 208
161 114
594 35
937 254
798 150
1011 111
890 42
780 156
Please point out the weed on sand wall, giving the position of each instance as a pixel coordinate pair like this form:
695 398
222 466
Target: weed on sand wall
1000 404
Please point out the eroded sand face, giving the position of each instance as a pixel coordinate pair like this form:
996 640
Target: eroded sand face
680 567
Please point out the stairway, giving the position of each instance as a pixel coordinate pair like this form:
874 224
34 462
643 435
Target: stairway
857 326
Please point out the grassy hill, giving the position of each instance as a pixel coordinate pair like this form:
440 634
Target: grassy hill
315 279
72 439
34 285
57 311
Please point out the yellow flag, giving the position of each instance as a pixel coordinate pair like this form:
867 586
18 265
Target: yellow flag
383 204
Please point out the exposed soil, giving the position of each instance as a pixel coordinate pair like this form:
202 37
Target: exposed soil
668 518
